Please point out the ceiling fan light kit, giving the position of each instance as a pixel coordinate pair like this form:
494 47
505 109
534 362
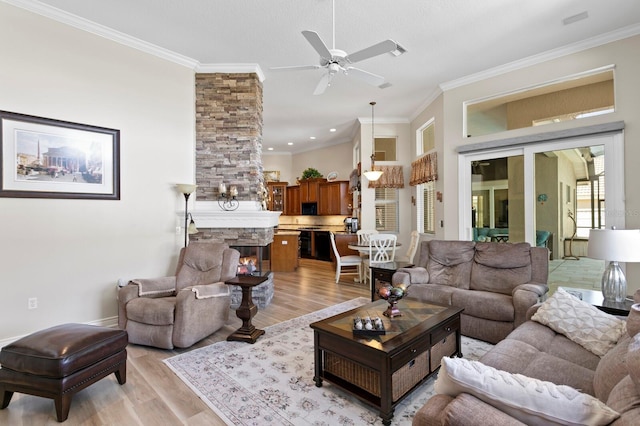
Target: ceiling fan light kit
336 60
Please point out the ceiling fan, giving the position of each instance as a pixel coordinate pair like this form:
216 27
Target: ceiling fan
335 60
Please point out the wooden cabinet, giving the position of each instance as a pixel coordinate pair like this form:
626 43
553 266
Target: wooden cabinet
310 189
334 198
293 207
284 252
277 192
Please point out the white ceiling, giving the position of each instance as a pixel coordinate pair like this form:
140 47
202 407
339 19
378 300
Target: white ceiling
446 40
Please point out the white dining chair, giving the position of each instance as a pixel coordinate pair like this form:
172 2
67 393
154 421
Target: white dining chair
363 240
382 248
348 261
413 248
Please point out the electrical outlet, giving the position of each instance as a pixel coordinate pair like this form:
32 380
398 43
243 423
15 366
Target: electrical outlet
32 302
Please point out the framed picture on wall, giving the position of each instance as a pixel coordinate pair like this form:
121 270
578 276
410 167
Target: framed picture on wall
46 158
272 176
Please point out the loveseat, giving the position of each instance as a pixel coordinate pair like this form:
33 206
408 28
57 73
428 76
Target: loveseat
549 377
495 283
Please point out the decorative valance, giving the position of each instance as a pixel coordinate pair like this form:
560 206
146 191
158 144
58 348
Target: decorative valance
424 169
392 177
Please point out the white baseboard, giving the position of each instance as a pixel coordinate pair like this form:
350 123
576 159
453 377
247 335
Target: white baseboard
111 322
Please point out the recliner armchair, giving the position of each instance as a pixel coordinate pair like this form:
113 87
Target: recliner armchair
180 310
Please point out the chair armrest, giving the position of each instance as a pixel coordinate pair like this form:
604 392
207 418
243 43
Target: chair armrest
207 291
524 297
408 276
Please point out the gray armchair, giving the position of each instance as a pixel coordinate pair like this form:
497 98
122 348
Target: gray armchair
180 310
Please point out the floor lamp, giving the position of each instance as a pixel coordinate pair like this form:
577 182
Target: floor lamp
187 189
615 245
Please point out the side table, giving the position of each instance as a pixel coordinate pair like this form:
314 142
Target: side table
382 272
595 298
247 309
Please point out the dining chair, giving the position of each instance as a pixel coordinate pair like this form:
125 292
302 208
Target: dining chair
347 261
382 248
363 240
413 248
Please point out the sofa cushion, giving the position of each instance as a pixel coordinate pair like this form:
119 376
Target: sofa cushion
450 262
484 304
611 369
581 322
431 292
531 401
152 311
500 267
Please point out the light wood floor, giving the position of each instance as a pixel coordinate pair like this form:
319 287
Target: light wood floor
153 395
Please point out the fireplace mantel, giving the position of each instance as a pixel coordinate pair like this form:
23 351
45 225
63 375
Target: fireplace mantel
208 214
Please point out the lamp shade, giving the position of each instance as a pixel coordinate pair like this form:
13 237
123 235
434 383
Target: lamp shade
373 174
186 188
619 245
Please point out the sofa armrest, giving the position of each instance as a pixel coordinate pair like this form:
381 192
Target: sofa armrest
463 410
525 296
408 276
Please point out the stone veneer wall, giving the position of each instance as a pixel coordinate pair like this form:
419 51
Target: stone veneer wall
228 134
236 236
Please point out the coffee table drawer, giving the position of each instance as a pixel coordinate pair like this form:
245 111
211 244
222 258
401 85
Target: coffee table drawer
407 354
444 330
445 347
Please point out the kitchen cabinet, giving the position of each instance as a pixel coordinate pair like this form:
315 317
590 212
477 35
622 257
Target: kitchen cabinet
292 206
277 193
309 190
284 251
334 198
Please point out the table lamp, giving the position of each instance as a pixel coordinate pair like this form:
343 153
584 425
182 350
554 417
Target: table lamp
615 245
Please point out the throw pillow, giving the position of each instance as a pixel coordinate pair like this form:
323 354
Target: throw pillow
580 322
531 401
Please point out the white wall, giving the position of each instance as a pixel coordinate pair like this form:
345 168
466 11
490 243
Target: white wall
70 253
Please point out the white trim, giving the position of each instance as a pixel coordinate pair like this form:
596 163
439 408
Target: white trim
231 69
619 34
110 322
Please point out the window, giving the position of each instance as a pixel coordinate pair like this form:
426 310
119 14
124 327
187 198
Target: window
426 207
425 192
385 149
386 209
575 97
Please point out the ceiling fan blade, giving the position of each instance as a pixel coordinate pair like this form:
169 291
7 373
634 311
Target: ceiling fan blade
367 77
371 51
296 67
316 42
323 84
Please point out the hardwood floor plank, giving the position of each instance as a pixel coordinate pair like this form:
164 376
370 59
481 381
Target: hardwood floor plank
153 394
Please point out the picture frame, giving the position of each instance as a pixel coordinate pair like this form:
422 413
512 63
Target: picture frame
47 158
271 175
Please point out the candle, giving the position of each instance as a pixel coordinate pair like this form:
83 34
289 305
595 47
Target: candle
222 188
233 191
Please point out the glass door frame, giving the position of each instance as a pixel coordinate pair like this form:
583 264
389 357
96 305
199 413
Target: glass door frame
614 183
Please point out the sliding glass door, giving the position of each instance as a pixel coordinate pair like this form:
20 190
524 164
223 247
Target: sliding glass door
548 194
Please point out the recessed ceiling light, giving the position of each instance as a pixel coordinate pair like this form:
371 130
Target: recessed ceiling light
289 143
332 130
270 148
312 137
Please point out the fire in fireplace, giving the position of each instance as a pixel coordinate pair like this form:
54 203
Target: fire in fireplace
254 260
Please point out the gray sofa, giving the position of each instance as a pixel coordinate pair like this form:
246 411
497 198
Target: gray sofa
536 351
495 283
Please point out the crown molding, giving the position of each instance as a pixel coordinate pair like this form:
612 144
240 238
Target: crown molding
102 31
620 34
231 69
425 104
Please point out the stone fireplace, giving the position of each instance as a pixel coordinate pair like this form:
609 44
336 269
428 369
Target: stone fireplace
229 152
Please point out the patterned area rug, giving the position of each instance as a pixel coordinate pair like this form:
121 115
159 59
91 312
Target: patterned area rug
271 381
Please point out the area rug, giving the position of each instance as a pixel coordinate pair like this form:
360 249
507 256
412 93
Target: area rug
271 381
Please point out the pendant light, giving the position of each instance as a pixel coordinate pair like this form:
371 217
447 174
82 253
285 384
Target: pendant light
373 174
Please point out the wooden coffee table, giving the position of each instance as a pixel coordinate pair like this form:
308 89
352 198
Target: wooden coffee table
381 370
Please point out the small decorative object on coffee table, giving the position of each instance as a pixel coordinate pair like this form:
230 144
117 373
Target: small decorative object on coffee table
392 294
368 326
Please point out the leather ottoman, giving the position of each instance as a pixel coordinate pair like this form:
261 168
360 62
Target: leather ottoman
60 361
